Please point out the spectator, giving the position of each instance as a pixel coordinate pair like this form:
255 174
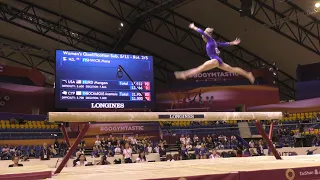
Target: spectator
183 152
127 153
97 143
81 161
45 152
141 158
203 151
110 153
195 139
15 160
95 152
117 150
63 148
260 150
32 153
182 139
162 152
82 145
149 148
103 161
156 149
53 152
214 155
56 146
5 152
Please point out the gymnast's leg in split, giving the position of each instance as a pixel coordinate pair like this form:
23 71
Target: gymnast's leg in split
211 64
208 65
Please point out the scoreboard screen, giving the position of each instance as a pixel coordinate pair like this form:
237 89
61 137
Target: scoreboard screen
95 80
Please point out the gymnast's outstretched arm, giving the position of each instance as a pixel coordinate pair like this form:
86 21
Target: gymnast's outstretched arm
233 43
195 28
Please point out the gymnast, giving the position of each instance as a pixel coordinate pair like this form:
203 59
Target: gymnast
215 61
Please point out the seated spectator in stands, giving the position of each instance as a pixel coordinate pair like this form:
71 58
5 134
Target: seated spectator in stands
189 146
214 155
141 158
12 150
183 152
134 150
82 144
110 153
81 161
95 152
220 145
53 152
15 160
251 144
5 154
246 152
56 145
18 153
97 143
103 161
195 139
162 152
198 146
252 152
77 158
182 139
45 152
117 150
156 149
260 150
127 153
188 140
239 150
103 143
149 148
232 154
32 153
81 151
203 151
63 148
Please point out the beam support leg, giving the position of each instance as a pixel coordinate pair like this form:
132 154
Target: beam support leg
65 134
271 130
73 148
266 138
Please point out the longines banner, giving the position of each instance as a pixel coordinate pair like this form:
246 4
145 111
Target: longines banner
107 128
218 77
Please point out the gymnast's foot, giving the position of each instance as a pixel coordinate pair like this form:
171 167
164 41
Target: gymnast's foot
180 75
251 77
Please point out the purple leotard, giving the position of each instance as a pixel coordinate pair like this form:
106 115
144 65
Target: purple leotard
212 46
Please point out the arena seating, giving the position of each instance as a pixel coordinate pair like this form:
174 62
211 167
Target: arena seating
35 129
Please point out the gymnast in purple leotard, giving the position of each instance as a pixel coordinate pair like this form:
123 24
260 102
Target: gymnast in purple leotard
215 61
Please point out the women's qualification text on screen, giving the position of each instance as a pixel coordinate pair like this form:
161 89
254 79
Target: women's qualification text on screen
95 80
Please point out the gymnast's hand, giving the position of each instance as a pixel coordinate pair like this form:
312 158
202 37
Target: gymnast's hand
192 26
236 42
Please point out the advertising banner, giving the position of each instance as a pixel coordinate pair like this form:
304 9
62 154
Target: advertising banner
218 77
116 128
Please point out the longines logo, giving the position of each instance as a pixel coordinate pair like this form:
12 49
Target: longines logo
180 116
107 105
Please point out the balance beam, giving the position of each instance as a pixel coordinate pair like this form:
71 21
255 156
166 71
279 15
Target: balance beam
159 116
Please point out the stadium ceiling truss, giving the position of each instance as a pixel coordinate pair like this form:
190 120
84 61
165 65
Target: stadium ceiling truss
149 16
293 23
